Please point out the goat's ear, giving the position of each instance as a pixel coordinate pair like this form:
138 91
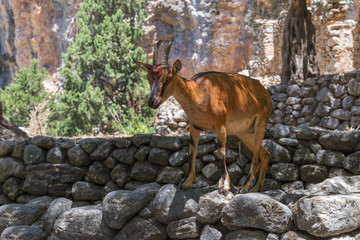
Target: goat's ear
177 66
143 66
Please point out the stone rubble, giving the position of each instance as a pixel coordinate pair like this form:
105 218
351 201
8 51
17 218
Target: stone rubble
311 188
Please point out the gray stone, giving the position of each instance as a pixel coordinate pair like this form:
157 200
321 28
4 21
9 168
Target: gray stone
316 214
139 228
78 157
84 191
171 175
235 173
18 151
307 134
211 137
315 121
278 152
281 131
289 142
348 102
339 90
303 156
125 155
277 116
13 188
293 90
284 172
55 155
179 158
110 162
309 101
324 95
211 205
330 123
336 172
56 208
141 139
159 156
231 155
38 177
246 235
89 144
313 173
120 174
354 87
212 171
42 141
293 187
352 162
257 210
355 110
98 173
335 103
144 171
210 232
109 187
291 235
171 203
122 142
270 184
166 142
11 167
102 151
208 158
330 158
23 233
6 148
337 185
180 116
82 223
346 141
279 97
306 92
341 114
33 154
120 206
22 214
322 110
142 153
67 143
206 148
183 229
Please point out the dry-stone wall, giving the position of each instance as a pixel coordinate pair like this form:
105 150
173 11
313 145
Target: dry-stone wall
126 188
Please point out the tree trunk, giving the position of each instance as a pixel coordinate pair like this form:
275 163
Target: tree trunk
298 49
8 131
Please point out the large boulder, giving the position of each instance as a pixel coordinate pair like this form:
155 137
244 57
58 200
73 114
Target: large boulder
82 223
340 141
56 208
256 210
23 233
326 216
120 206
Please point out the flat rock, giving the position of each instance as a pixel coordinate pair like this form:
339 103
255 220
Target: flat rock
326 216
82 223
340 141
56 208
139 228
171 203
121 142
42 141
337 185
183 229
166 142
330 158
211 205
23 233
259 211
120 206
246 235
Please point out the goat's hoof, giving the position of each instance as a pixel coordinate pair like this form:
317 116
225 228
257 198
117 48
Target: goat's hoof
223 191
185 187
242 190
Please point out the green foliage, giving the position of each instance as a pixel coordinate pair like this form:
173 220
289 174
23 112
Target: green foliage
20 97
102 56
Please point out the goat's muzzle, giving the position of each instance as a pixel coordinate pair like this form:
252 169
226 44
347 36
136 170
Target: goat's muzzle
154 102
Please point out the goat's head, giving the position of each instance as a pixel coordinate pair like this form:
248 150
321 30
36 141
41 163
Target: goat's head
161 75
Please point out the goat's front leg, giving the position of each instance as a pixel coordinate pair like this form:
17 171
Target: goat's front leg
194 140
224 182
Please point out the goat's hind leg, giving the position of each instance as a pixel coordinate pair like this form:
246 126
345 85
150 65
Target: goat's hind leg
224 182
253 142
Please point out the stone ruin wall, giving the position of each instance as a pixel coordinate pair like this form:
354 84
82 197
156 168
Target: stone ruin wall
126 187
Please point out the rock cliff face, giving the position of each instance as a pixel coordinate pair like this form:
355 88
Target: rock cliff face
34 29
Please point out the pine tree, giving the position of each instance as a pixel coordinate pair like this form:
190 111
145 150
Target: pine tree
101 60
20 97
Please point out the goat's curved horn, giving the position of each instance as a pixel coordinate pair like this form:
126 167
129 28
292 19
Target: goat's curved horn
156 52
165 58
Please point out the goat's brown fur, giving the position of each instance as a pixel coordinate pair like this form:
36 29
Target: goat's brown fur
226 103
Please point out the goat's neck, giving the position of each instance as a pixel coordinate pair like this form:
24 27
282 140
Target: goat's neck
185 93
